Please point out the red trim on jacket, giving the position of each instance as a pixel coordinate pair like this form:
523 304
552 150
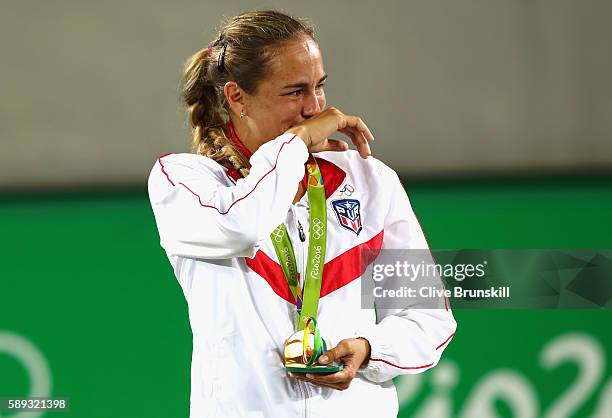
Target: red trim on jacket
233 174
445 341
235 201
414 367
337 273
349 265
402 367
163 169
333 176
272 273
429 246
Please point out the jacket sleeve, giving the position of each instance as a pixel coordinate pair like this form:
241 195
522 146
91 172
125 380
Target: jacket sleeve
409 340
199 216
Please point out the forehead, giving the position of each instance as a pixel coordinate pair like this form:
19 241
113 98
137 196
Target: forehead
296 61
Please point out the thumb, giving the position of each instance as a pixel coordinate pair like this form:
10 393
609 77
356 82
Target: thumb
335 354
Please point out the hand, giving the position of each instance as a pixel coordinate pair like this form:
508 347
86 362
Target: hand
315 131
353 352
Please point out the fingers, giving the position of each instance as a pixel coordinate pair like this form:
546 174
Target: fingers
346 352
360 142
343 376
335 354
351 352
359 133
360 125
336 387
315 131
340 385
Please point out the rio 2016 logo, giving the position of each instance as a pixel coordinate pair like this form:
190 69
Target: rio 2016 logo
34 364
513 387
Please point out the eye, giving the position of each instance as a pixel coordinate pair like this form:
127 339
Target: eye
295 93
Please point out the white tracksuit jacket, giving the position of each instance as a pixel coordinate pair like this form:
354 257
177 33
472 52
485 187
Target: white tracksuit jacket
216 230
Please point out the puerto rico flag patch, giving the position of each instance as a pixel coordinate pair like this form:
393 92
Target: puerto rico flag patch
348 214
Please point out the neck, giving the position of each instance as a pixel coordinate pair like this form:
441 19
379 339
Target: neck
242 135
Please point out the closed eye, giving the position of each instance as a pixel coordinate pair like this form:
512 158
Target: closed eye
296 93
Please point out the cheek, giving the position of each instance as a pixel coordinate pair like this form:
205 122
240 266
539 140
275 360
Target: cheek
292 111
282 116
269 115
321 99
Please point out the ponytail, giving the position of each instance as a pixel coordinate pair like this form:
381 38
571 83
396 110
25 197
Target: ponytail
206 115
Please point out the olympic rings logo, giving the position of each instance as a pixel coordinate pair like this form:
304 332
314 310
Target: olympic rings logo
347 190
278 234
317 228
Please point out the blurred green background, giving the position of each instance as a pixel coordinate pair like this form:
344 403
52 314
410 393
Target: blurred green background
497 115
86 284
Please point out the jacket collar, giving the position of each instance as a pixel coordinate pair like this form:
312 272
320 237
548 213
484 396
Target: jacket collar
333 176
232 134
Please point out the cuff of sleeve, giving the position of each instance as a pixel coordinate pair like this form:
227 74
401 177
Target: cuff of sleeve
372 369
300 141
271 149
300 145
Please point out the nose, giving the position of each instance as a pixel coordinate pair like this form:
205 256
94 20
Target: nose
311 105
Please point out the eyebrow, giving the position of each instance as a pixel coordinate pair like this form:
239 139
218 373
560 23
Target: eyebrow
302 84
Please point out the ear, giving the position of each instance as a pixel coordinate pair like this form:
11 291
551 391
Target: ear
235 97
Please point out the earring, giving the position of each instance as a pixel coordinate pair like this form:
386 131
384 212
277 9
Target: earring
242 114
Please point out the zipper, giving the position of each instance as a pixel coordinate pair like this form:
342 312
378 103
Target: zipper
301 388
305 400
298 245
303 256
303 276
300 260
301 230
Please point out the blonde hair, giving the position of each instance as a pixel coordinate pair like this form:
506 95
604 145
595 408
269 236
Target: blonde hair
241 53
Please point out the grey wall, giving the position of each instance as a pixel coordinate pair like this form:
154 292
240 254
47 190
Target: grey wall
89 90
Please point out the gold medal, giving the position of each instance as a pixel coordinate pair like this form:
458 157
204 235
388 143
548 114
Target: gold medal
303 348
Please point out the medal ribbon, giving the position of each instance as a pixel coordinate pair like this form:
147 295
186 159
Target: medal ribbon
307 303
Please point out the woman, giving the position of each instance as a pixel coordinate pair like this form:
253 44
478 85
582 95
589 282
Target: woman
256 103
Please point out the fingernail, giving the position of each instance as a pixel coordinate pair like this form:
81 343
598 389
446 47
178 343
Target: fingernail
291 374
323 359
309 376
